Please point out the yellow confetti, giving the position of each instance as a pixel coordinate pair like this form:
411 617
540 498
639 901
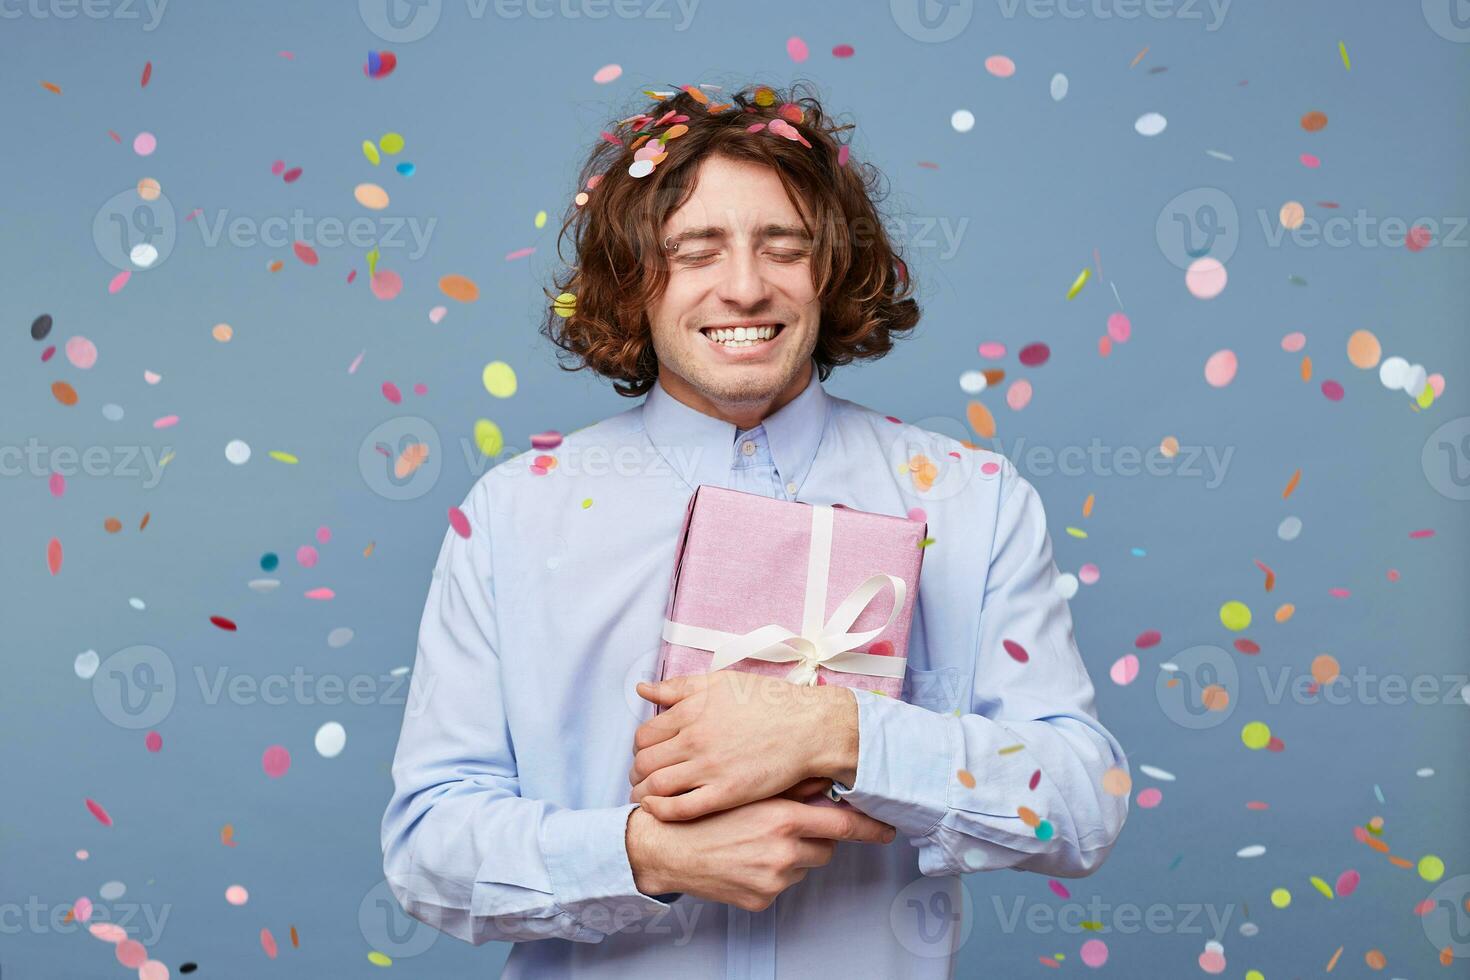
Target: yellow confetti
392 143
1076 532
1321 886
379 959
1280 898
488 438
1081 279
279 456
540 219
499 379
587 503
564 305
926 542
1342 50
371 152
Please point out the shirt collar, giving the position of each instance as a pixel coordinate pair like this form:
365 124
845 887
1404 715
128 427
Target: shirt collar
701 448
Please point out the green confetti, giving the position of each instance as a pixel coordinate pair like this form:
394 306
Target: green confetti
1342 49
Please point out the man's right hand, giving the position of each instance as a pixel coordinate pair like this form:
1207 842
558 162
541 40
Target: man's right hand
744 856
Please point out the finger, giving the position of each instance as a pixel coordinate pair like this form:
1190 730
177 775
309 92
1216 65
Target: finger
813 852
686 806
656 729
671 780
648 761
669 692
807 788
843 823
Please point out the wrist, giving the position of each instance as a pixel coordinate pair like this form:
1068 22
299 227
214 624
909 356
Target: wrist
838 720
643 853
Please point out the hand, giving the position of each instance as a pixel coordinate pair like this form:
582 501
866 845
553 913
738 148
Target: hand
727 738
745 856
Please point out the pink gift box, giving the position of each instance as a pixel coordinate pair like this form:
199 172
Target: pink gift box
750 570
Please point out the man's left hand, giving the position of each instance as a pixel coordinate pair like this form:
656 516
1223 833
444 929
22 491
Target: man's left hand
727 738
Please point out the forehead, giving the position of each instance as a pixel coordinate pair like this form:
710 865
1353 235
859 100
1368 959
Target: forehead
734 194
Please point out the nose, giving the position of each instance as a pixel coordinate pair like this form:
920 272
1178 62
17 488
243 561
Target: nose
744 283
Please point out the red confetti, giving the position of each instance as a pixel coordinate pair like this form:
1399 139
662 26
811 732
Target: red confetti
1422 533
290 176
99 813
1247 646
1035 781
1270 575
53 555
842 51
147 74
391 392
1148 638
1035 355
1018 653
305 253
223 623
268 943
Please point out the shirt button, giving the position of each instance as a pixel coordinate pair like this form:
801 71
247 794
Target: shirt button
791 488
748 448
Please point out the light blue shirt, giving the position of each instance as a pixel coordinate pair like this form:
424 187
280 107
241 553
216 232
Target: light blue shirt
510 801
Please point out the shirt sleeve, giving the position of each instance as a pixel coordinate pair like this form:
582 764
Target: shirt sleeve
1026 721
463 850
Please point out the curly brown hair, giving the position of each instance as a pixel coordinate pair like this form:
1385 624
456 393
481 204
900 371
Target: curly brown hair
621 267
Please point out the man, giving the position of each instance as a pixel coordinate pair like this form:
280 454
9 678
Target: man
537 796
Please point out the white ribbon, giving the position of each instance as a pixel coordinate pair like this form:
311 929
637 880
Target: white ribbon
829 644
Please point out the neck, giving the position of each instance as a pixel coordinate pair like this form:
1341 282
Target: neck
743 415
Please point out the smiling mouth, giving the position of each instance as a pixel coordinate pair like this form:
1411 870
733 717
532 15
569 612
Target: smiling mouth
741 338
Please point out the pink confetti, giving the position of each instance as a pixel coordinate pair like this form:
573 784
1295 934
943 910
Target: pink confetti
842 51
81 352
1220 368
275 760
1338 592
386 284
607 73
81 909
519 253
144 144
1150 798
292 175
1311 160
237 895
796 48
391 392
119 281
1120 328
419 388
131 953
320 593
278 167
1148 638
1418 239
1124 670
842 154
459 522
153 741
992 350
1347 883
58 484
323 534
1000 66
108 932
1293 342
1018 653
268 943
99 813
546 440
305 253
352 368
306 556
1422 533
1018 395
1088 574
1332 390
167 421
1094 953
437 313
1059 889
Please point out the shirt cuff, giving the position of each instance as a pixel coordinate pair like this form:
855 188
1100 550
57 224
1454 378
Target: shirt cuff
586 854
906 762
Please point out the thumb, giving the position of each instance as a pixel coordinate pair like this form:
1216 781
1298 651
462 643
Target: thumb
666 692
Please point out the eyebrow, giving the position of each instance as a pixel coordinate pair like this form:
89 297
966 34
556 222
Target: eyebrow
708 232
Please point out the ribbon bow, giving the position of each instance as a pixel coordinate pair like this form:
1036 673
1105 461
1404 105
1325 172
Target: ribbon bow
826 644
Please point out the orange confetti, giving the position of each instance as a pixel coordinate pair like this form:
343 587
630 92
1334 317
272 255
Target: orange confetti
51 87
147 74
227 835
1314 121
410 459
53 555
1375 959
1291 484
1399 862
980 420
144 522
368 551
1028 816
112 525
461 288
1270 575
1139 57
63 393
295 942
1284 612
1087 505
966 780
1306 368
1333 962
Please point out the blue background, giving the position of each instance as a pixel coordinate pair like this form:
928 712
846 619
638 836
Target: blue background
497 111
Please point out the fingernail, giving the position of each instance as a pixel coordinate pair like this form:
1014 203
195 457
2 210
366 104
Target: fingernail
888 836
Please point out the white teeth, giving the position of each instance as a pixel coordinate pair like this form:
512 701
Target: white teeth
742 336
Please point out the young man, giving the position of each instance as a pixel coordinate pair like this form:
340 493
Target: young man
537 796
